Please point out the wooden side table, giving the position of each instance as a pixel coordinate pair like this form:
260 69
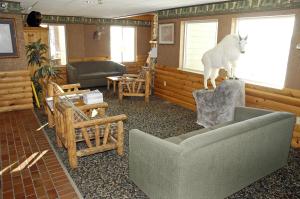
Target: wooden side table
114 80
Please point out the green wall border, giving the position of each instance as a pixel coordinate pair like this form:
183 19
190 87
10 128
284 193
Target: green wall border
228 7
10 7
87 20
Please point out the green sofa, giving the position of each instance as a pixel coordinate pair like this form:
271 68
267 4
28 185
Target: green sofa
93 73
212 162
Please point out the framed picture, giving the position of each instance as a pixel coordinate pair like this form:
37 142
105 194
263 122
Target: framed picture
8 41
166 33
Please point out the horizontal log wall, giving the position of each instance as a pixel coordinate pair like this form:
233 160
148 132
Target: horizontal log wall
15 91
88 59
177 86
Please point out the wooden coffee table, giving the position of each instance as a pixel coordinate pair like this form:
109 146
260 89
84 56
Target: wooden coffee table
114 80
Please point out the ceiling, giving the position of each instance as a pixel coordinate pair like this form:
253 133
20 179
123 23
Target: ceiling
108 8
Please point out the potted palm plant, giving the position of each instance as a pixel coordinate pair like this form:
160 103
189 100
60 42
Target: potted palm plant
36 53
42 69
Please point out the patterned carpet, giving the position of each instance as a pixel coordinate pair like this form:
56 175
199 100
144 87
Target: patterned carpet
105 175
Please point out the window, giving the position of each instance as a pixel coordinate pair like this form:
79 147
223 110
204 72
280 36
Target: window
267 51
57 40
122 43
198 37
57 37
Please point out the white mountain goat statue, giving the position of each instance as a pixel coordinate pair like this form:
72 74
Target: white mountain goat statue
224 55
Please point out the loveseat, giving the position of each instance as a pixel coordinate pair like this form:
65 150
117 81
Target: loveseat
93 73
211 163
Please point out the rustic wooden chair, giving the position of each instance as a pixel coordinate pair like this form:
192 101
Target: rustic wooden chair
52 90
74 124
135 85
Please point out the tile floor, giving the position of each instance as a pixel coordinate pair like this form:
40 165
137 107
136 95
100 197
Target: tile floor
29 167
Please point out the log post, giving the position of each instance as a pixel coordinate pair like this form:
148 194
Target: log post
50 117
120 91
120 138
101 112
106 133
97 135
59 130
70 137
147 86
108 84
50 93
86 137
114 83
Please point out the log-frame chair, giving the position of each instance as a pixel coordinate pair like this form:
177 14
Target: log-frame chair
135 85
52 89
104 138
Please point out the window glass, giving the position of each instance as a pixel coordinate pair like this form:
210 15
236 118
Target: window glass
199 37
122 43
267 51
57 40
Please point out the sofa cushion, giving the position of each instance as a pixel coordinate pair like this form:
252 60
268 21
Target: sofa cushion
237 128
93 66
222 125
180 138
96 75
93 73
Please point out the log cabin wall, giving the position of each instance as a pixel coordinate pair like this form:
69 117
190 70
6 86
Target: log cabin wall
177 86
15 84
15 91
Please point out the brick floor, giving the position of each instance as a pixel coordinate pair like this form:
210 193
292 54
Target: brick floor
29 167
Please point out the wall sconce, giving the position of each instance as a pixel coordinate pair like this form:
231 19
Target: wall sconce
97 34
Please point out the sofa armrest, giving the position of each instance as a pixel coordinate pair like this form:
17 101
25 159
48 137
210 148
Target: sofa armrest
154 164
121 68
244 113
124 68
72 74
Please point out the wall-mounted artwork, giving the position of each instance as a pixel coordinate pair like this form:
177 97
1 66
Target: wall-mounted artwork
166 33
8 43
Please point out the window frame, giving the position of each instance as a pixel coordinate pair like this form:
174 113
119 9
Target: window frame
183 39
135 42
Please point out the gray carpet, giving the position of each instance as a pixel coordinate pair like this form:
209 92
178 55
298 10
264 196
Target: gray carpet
105 175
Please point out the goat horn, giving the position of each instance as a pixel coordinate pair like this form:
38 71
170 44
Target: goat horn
240 38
